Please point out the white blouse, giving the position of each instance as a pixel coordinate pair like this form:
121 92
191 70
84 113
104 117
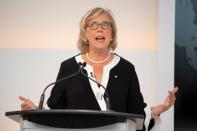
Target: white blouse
99 91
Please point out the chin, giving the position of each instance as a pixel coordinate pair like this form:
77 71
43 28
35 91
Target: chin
101 47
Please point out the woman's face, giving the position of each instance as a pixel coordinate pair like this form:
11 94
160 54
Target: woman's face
99 33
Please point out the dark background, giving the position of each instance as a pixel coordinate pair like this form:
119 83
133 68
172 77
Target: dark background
185 65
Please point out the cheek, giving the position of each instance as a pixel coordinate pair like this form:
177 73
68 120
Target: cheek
109 34
89 35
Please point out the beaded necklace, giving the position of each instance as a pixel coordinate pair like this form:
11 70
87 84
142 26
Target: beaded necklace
97 62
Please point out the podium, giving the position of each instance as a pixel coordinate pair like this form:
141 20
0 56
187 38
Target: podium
76 120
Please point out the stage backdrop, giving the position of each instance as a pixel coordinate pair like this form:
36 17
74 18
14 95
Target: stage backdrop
37 35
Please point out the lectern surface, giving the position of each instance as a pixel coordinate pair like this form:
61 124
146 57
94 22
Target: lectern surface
74 118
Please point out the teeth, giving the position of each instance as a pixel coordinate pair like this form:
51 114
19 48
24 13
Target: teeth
100 37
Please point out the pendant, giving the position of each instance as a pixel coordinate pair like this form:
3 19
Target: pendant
99 95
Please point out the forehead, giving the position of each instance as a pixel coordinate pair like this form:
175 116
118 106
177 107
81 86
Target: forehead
100 18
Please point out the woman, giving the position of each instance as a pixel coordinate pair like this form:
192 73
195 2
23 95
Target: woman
97 40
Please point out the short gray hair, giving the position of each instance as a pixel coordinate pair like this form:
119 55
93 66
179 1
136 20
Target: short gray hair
82 43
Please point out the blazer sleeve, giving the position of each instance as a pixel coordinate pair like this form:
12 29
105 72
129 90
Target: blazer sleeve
57 99
136 102
135 99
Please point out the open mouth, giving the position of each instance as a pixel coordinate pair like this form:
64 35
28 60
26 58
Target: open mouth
100 38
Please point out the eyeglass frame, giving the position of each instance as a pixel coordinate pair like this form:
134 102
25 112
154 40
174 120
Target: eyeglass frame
100 24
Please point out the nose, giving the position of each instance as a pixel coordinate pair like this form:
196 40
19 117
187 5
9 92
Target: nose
99 29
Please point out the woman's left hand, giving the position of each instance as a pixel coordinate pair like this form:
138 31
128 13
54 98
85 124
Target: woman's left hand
168 102
170 99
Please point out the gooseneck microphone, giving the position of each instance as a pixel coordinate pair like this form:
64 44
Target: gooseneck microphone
60 80
106 95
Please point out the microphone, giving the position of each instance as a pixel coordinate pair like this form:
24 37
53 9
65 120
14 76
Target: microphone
81 65
106 96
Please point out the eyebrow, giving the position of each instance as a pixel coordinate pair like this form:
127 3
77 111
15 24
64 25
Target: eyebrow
100 22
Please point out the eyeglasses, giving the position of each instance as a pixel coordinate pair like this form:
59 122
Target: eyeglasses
105 25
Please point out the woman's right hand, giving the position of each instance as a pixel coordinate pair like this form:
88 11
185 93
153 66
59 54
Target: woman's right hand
27 104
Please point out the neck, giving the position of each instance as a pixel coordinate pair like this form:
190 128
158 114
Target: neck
98 57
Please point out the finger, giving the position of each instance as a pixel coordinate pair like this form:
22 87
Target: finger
25 106
169 103
171 97
29 107
22 98
175 90
166 105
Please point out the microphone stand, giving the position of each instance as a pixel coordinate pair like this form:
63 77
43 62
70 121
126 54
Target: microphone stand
81 66
43 94
106 96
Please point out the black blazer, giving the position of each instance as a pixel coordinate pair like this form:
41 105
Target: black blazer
76 93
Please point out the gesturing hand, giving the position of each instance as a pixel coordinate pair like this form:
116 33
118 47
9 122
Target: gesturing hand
170 99
27 104
168 102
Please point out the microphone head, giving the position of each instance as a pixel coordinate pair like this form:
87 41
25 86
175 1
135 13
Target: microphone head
82 65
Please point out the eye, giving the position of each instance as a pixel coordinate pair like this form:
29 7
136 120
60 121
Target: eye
106 24
93 24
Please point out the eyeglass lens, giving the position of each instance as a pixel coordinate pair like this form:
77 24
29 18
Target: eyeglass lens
105 25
